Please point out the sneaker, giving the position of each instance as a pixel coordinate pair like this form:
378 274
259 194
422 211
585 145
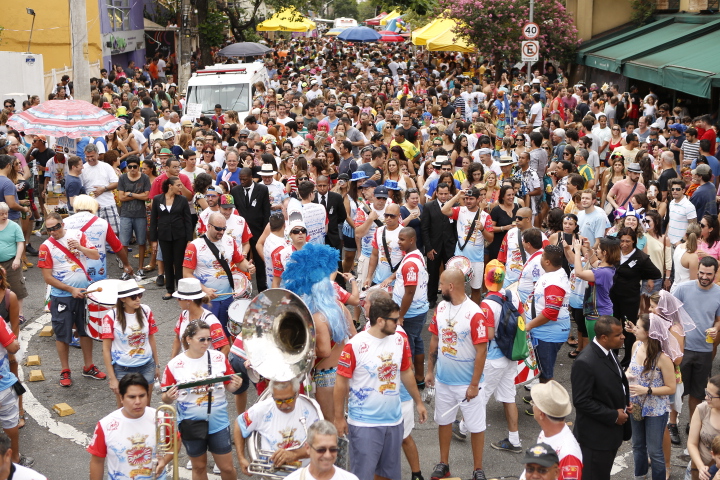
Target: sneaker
120 264
478 475
30 250
160 281
189 465
529 412
506 446
674 434
26 461
442 470
417 476
75 342
93 372
125 276
529 385
527 399
65 380
216 470
140 275
456 431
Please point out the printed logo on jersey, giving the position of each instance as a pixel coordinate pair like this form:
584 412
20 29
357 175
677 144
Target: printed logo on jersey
112 426
43 255
412 274
288 438
189 255
344 360
387 372
136 340
450 339
570 472
139 455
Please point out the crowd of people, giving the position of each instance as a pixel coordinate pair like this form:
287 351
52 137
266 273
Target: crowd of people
395 186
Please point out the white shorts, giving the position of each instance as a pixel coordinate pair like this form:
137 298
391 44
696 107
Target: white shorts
408 416
9 410
447 398
476 282
362 269
499 379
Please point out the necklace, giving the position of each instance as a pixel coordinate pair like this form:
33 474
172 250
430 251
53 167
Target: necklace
452 316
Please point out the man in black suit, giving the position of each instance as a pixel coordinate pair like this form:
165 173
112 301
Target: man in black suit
253 202
601 398
335 208
439 238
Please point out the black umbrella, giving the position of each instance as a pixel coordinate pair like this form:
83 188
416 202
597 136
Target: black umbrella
244 49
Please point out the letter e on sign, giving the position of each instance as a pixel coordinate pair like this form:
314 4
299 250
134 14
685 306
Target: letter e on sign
530 51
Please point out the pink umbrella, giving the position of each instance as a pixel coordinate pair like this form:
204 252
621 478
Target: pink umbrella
388 36
65 118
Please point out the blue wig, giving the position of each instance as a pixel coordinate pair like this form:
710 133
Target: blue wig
307 274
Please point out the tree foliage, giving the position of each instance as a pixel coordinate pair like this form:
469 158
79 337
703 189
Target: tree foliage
366 10
346 8
495 26
643 10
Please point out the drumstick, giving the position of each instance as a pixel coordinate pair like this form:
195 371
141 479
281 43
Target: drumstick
99 289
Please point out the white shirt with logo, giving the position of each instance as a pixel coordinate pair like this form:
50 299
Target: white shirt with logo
383 269
412 271
205 266
100 234
131 346
475 248
316 220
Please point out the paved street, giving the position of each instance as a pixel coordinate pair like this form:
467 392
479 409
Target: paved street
58 443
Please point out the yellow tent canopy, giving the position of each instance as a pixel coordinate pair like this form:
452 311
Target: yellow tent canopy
287 20
390 16
420 30
437 27
449 42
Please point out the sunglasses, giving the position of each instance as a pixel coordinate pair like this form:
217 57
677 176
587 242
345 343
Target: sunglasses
519 218
219 229
286 401
390 215
133 166
298 231
56 227
208 152
135 296
303 179
204 339
672 189
322 450
540 470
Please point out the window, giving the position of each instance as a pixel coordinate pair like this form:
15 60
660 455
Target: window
231 97
119 14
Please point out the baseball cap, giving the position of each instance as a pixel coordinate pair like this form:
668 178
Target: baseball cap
217 105
165 151
703 169
381 192
541 454
369 183
227 200
494 275
168 134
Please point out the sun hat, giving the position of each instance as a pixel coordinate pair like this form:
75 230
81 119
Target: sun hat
552 399
189 289
128 288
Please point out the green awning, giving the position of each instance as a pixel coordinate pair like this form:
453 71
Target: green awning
669 53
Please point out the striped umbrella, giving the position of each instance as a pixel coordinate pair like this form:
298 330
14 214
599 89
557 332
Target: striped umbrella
65 118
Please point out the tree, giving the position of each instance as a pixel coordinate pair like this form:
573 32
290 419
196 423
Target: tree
244 17
495 27
346 8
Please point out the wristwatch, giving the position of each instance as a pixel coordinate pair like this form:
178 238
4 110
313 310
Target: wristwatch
649 391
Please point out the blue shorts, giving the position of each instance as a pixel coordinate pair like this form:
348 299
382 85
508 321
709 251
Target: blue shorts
147 371
219 308
376 451
128 226
546 353
66 313
238 365
219 443
413 327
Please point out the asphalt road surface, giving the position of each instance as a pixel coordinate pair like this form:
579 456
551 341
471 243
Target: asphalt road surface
58 443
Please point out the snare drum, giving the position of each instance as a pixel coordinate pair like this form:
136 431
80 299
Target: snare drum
243 287
98 304
236 314
463 264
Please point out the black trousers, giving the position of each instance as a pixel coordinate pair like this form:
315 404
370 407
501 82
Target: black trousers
626 307
260 276
597 464
433 268
173 253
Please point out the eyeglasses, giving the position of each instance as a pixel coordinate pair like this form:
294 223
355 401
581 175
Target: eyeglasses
219 229
322 450
437 144
136 296
133 166
390 215
540 470
392 319
208 152
676 189
286 401
710 395
56 227
302 179
204 339
257 150
298 231
519 218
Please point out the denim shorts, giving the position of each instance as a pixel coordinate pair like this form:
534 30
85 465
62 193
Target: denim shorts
147 371
238 365
413 327
546 353
219 443
128 226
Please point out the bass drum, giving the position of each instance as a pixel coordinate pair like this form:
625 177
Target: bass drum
98 304
528 369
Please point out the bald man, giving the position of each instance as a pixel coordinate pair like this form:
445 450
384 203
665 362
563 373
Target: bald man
410 292
512 253
386 254
458 347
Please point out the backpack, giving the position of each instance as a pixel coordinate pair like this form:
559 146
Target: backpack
510 335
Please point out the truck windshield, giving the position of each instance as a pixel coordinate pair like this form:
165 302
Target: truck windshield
231 97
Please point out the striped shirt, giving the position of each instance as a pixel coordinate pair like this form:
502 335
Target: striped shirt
680 215
691 151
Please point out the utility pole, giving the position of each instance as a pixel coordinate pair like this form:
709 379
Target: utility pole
529 66
184 37
79 47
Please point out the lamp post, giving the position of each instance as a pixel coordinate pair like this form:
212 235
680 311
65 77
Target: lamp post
186 31
30 11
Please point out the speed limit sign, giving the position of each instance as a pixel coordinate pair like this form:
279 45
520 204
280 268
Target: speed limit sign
531 30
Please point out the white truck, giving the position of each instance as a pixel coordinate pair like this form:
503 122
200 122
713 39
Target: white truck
232 86
23 76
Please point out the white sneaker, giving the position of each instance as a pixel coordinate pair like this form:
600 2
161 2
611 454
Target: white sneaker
531 384
216 470
189 465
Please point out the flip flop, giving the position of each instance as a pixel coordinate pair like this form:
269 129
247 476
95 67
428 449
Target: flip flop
572 341
573 353
149 268
167 296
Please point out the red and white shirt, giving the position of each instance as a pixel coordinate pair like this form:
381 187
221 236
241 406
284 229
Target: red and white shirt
217 334
237 228
101 235
205 266
273 243
127 444
373 366
203 219
366 241
384 269
131 346
530 274
280 257
551 296
511 256
64 269
412 271
458 328
475 248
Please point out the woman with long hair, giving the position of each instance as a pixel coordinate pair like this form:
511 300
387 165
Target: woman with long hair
388 133
659 248
393 171
128 336
709 244
610 177
563 231
492 187
411 212
651 378
685 257
632 221
474 175
460 150
503 218
654 200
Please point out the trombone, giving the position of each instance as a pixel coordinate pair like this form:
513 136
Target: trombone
166 438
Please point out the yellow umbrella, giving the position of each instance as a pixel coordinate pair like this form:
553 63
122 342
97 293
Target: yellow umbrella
389 17
287 20
420 30
449 42
439 26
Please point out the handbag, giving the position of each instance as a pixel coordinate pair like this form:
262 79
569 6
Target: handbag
198 429
637 407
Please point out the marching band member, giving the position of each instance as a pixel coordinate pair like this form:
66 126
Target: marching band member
63 258
128 335
279 257
202 411
125 439
458 347
277 420
212 259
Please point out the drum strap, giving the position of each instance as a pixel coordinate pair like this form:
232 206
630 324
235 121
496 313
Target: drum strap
470 231
387 253
223 262
70 256
523 254
89 224
209 389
